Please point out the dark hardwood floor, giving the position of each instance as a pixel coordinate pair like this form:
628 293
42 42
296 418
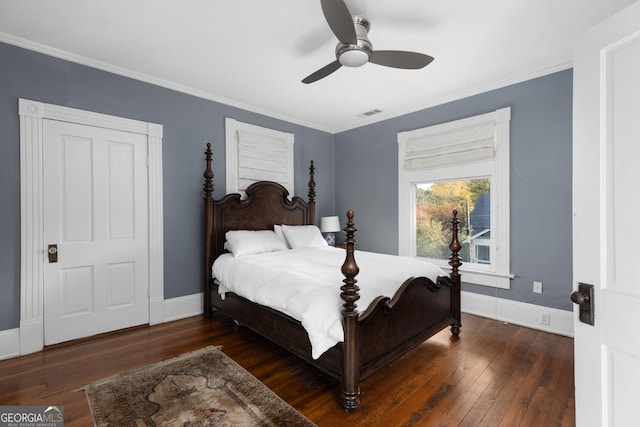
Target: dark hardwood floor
492 375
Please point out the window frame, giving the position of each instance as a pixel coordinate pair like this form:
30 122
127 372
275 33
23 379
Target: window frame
497 274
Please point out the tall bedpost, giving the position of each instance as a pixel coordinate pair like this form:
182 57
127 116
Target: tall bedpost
351 372
312 194
455 263
208 230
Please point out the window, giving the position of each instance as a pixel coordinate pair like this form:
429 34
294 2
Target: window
462 165
255 153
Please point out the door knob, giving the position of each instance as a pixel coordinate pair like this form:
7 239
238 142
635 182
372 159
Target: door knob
584 298
578 298
52 251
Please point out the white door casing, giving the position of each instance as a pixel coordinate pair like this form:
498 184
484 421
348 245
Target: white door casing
606 149
96 215
33 245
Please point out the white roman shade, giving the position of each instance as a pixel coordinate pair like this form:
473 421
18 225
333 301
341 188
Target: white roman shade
261 158
257 154
454 147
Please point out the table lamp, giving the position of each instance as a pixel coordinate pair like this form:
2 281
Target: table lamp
329 225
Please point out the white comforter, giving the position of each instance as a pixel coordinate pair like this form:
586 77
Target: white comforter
305 284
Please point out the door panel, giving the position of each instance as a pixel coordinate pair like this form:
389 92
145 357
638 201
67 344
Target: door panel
96 204
605 203
76 189
76 297
121 191
122 284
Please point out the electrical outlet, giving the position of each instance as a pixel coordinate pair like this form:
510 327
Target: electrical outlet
544 318
537 287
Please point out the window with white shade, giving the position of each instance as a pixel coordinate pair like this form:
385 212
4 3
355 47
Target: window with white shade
462 165
255 153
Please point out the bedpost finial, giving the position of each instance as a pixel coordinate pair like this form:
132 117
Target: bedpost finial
208 174
312 183
350 231
350 269
455 246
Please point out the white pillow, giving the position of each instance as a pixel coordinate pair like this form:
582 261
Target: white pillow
303 236
280 234
251 242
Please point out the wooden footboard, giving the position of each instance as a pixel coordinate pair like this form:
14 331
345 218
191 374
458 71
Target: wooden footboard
389 328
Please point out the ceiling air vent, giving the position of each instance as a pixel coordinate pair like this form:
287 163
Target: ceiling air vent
370 113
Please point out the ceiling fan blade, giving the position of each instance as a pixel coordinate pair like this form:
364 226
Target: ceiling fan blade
400 59
322 72
340 20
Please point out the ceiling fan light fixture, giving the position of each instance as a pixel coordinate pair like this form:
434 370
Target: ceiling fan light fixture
353 58
354 48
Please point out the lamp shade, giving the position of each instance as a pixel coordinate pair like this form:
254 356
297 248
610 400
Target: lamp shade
329 224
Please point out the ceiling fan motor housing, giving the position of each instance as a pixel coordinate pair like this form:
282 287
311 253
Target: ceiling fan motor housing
356 55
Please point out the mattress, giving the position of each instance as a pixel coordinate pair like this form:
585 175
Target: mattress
305 284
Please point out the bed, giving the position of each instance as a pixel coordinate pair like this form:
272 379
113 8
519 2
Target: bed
373 335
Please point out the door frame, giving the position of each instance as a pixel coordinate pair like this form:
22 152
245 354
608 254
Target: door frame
32 244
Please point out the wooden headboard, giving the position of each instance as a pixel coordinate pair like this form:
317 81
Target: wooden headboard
266 204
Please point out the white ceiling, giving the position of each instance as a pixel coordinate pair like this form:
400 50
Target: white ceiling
253 54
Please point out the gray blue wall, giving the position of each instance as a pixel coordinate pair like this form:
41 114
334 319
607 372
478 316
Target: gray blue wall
540 174
189 123
356 169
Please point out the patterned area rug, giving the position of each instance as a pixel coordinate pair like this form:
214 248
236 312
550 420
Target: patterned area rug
203 388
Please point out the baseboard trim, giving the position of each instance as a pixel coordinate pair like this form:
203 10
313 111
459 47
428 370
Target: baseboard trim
182 307
518 313
156 310
9 343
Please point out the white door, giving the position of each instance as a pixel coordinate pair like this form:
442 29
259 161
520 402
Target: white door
606 202
96 204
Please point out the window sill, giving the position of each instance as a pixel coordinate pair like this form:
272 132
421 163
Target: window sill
494 280
478 277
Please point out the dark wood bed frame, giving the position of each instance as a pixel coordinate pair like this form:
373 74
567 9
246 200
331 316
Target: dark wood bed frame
373 338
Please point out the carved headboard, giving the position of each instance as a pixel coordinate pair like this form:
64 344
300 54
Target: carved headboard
267 203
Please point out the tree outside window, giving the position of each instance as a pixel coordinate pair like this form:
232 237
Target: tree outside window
435 202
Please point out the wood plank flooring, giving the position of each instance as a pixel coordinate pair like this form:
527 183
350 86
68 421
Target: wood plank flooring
492 375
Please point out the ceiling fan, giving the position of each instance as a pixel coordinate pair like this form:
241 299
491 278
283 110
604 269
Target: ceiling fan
354 48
